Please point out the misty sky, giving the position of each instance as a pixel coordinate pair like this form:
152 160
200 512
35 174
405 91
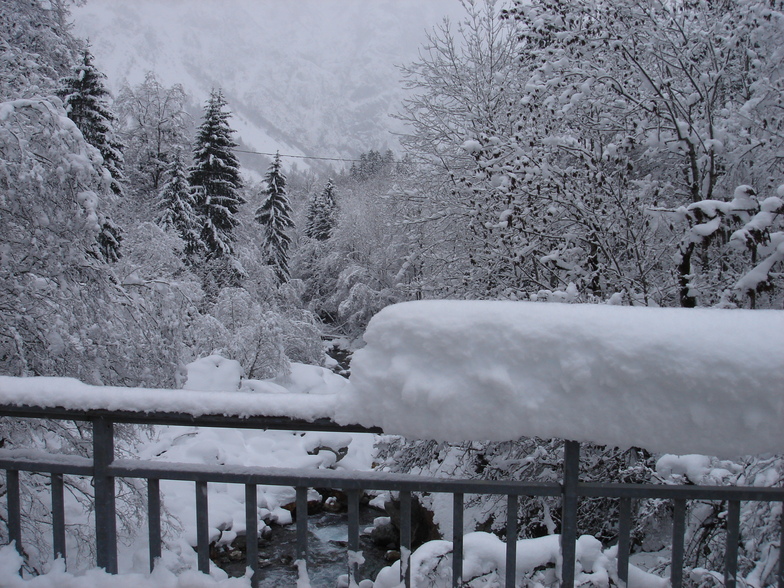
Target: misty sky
302 76
147 33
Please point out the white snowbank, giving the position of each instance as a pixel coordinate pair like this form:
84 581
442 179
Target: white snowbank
58 577
214 373
669 380
540 558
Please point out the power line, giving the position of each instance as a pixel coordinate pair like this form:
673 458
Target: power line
298 156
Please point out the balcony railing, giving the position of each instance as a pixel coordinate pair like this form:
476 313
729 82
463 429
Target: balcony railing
103 468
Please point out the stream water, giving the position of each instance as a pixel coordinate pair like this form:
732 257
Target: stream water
327 547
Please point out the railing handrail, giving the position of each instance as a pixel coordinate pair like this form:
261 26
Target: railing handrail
158 417
104 468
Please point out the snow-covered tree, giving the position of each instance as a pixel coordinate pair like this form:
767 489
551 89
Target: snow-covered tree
154 124
36 45
322 214
215 178
177 205
274 215
86 101
732 248
560 133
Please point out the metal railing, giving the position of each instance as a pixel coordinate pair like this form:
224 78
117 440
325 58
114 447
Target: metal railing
103 468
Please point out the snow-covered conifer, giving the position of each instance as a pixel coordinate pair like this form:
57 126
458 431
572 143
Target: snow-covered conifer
86 101
176 204
215 178
322 214
274 215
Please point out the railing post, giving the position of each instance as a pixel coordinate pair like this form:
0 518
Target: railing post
353 536
457 539
105 513
58 516
733 537
781 547
14 509
302 523
252 532
154 519
511 541
571 478
202 527
678 538
405 538
624 539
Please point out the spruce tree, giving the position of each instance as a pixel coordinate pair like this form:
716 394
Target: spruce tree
215 178
322 214
85 98
274 215
176 204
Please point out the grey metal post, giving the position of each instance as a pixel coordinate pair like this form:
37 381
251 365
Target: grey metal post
678 538
105 513
405 538
733 537
154 519
14 509
781 546
202 527
58 516
569 512
252 532
302 524
511 540
624 539
353 535
457 539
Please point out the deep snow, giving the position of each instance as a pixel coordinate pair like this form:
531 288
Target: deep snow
669 380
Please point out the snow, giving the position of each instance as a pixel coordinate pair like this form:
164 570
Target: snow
677 381
485 558
213 373
214 381
670 380
199 400
58 577
472 146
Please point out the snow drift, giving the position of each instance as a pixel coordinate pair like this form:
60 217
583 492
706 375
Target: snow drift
669 380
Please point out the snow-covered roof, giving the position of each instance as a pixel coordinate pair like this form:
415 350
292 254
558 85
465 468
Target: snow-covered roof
671 380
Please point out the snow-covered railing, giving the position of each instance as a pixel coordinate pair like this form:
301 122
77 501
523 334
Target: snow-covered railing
669 380
103 468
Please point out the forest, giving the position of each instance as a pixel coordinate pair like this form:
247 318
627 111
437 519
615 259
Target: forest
626 152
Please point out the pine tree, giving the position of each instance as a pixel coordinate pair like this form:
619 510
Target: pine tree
85 99
322 214
215 178
177 205
274 215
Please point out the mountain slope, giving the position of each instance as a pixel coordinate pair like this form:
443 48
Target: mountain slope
307 77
